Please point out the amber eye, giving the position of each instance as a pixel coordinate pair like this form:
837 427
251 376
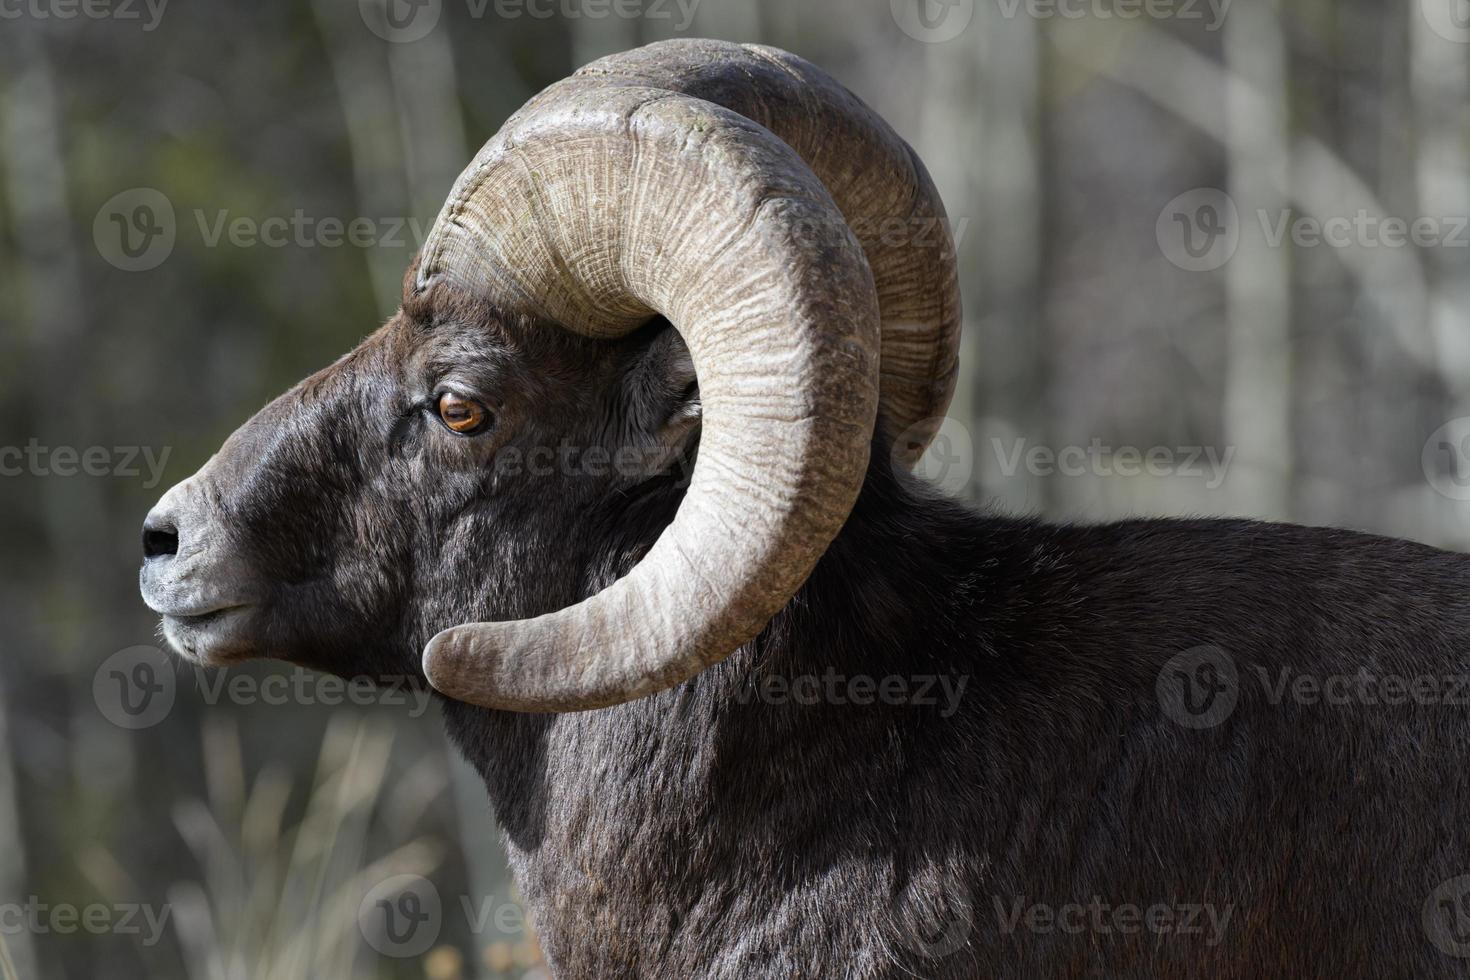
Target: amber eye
463 415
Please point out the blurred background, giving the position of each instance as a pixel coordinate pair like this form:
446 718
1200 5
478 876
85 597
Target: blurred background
1214 256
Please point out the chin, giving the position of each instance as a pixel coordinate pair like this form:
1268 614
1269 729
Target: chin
216 639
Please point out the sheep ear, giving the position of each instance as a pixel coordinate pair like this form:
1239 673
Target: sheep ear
662 392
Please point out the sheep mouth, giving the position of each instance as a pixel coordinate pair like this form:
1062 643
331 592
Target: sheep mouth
210 638
199 620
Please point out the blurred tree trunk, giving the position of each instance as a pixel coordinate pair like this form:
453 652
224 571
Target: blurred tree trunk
72 512
370 113
32 160
743 22
981 133
1257 410
1439 78
591 39
431 131
13 881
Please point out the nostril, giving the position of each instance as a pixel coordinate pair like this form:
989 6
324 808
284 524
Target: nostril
160 540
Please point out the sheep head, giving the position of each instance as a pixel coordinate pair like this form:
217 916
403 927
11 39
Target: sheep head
796 247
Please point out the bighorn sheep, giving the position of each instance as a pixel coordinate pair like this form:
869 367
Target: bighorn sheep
1107 787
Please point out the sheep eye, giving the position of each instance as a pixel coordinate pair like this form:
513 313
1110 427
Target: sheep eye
463 415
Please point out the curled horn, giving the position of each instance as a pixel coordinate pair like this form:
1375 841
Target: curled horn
799 248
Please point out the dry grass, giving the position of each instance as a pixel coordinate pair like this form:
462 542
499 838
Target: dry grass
7 967
278 902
